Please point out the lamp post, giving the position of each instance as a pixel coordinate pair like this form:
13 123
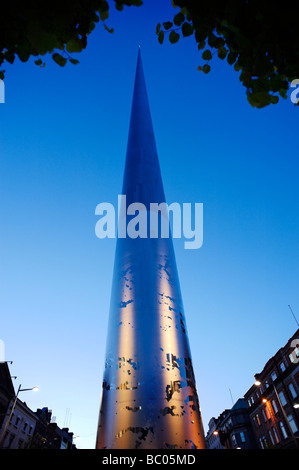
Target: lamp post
34 389
258 383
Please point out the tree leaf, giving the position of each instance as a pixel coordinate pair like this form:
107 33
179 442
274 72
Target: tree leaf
187 29
201 45
167 25
222 52
206 68
161 37
74 45
38 62
59 59
74 61
178 19
206 55
174 37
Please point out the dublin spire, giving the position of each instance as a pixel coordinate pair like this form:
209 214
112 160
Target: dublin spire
149 398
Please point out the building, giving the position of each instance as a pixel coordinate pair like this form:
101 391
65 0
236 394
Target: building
273 400
149 395
19 431
22 428
212 436
48 435
232 429
7 391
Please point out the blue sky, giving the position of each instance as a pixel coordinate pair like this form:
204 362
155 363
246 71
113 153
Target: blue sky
62 151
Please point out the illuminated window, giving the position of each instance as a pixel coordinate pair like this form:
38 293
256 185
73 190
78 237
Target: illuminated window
282 367
242 437
264 415
257 419
271 437
292 423
282 398
273 376
283 430
275 435
292 390
274 406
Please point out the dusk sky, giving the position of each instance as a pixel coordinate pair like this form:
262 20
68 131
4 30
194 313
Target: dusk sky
62 152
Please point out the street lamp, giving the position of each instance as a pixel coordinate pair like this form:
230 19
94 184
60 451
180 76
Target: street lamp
34 389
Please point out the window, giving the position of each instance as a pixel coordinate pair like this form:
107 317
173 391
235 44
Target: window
283 430
271 437
264 415
263 442
17 420
242 437
275 435
249 403
273 376
292 423
30 430
267 413
275 409
25 426
258 419
292 390
282 398
282 366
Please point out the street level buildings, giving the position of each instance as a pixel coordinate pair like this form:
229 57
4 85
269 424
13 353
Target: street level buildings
273 400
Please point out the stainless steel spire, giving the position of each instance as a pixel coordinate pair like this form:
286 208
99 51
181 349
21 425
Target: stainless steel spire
149 398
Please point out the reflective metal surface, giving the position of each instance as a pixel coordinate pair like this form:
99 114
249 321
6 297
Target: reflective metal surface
149 398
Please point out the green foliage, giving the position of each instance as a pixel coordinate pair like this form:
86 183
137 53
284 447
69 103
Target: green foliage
33 29
259 39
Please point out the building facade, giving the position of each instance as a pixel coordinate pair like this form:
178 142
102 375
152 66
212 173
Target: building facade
212 436
273 400
21 426
7 391
234 428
